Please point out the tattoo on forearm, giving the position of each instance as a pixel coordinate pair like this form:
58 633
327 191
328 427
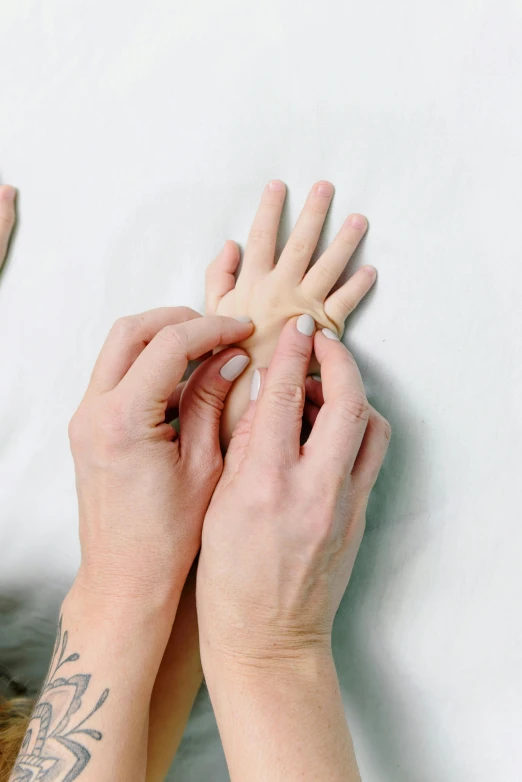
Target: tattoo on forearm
54 748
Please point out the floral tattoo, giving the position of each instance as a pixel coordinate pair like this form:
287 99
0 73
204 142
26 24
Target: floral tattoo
54 748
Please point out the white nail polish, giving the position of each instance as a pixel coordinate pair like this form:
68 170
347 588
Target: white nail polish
256 385
330 334
243 319
317 377
234 367
306 325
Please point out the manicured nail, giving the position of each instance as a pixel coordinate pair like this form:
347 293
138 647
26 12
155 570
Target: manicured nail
256 385
276 184
317 377
243 319
234 367
306 324
324 189
8 193
357 221
330 334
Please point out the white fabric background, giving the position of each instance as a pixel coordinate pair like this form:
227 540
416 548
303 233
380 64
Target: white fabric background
140 136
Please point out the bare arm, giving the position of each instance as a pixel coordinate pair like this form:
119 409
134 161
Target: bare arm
269 300
91 715
279 542
176 686
142 494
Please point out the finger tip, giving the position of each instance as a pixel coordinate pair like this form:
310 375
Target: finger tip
276 186
358 221
231 247
7 193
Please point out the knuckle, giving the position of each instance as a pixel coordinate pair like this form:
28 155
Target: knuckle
300 247
347 303
187 313
175 337
323 270
206 398
286 393
354 407
7 218
259 235
76 429
126 326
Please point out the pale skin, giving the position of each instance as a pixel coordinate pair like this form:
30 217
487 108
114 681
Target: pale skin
148 499
270 294
7 218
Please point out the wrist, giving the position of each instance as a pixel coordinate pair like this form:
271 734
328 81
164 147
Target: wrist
122 601
229 670
135 631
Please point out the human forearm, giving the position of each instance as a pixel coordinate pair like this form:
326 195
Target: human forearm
282 719
176 686
91 717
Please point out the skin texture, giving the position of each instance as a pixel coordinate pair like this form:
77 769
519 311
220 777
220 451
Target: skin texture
7 218
279 542
142 494
270 293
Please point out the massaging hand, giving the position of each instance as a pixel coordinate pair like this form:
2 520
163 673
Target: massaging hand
270 294
279 542
285 522
142 489
7 218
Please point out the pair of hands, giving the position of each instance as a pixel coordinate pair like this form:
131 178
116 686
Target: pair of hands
278 523
282 522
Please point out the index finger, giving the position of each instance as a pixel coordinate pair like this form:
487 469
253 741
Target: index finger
160 367
340 425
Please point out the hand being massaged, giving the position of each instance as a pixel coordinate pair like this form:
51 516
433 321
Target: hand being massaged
278 522
270 293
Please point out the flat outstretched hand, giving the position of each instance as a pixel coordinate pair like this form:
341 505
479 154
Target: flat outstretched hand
270 293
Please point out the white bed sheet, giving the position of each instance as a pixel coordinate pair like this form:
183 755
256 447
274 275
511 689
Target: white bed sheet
140 136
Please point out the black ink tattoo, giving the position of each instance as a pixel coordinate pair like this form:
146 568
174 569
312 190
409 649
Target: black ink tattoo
49 752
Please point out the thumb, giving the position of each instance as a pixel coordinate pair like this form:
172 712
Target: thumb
202 402
241 435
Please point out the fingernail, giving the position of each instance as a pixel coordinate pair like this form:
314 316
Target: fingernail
324 189
256 385
306 324
243 319
330 334
276 185
317 377
357 221
234 367
8 193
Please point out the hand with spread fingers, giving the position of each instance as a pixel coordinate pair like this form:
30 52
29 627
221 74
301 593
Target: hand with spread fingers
7 218
269 293
279 542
